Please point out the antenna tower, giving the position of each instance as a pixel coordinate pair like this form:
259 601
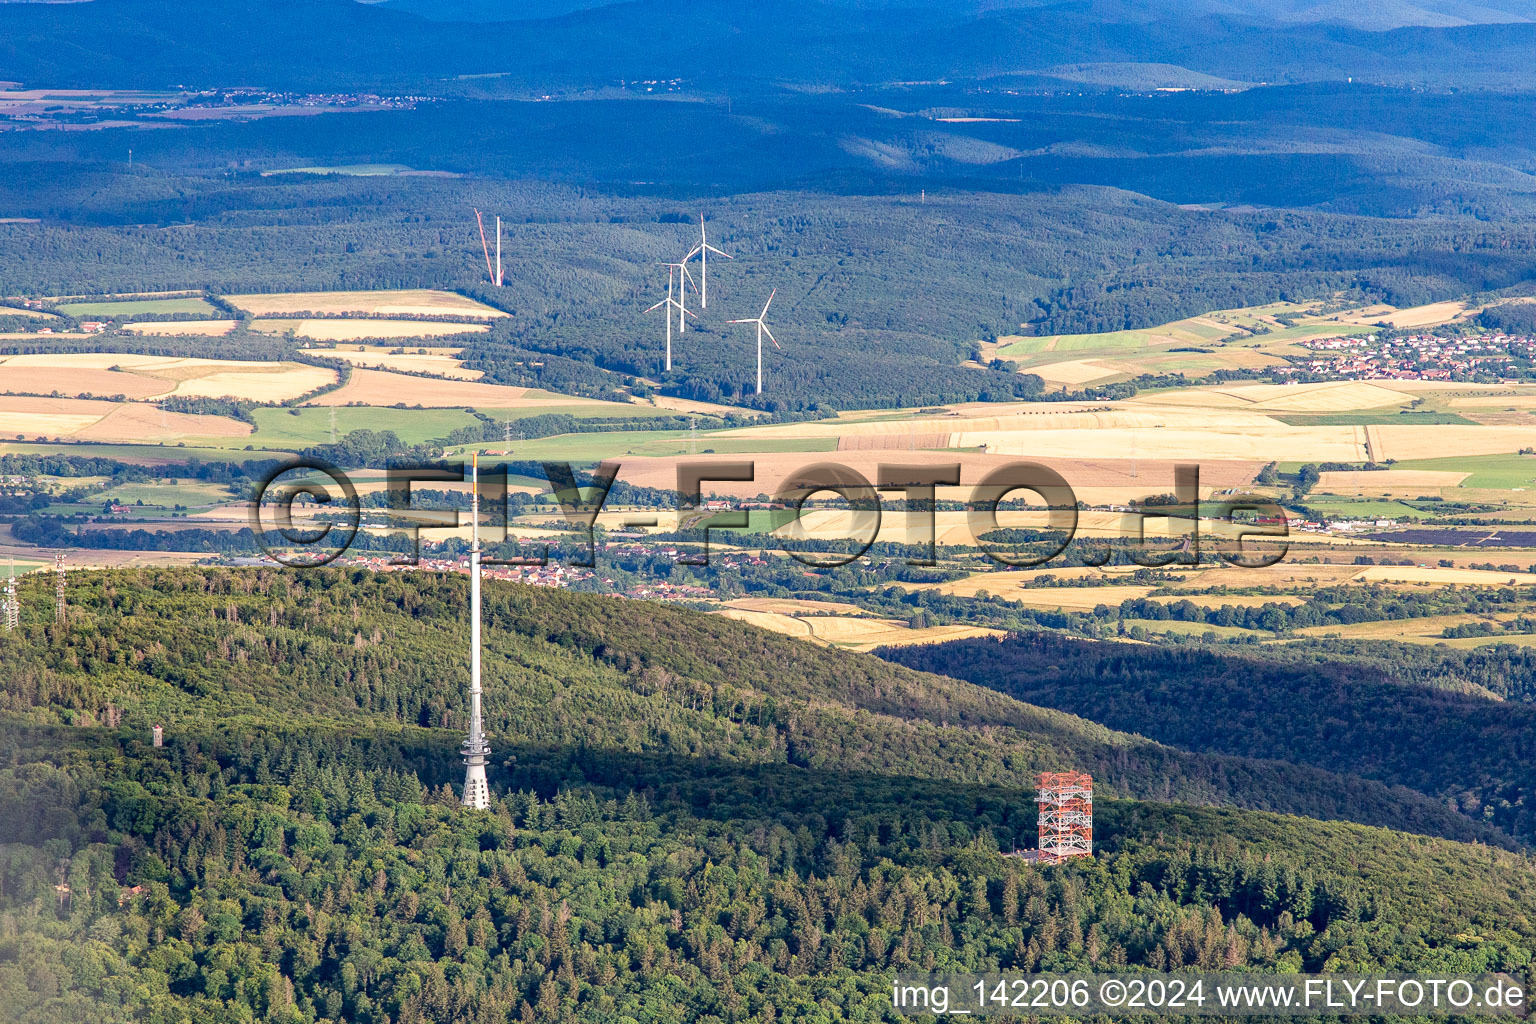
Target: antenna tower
476 751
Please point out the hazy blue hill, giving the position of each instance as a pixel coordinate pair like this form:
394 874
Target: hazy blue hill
337 44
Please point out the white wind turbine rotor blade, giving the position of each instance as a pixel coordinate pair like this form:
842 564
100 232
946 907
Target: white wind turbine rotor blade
744 320
771 337
718 252
658 305
694 252
766 304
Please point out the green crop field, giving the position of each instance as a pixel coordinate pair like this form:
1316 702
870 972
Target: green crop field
166 495
1493 472
134 307
144 453
311 425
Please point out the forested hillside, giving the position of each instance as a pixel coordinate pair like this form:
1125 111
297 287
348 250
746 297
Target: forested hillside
879 297
692 819
1315 708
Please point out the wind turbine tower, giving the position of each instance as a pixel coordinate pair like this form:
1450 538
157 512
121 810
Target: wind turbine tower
762 328
668 303
702 251
684 279
493 272
476 751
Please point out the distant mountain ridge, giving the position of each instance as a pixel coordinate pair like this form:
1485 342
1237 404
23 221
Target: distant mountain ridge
342 44
1372 15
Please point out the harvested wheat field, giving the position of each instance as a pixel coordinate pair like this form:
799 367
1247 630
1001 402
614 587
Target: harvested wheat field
408 301
791 606
702 408
1441 576
855 632
1429 442
1072 599
855 442
1302 444
259 382
1330 396
963 428
85 360
135 423
358 330
904 636
204 328
1417 316
380 387
45 380
1075 372
163 375
438 362
1397 481
771 469
49 417
1426 629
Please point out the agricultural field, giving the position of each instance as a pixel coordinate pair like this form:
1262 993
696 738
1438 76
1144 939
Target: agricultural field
440 362
189 493
409 301
79 419
142 376
35 314
1505 472
850 632
138 307
310 425
142 454
359 330
381 387
1250 337
177 328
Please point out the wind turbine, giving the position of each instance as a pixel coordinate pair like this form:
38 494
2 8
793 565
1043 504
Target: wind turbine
669 302
762 328
702 251
683 281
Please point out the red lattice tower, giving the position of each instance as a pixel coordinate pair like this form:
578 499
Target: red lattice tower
1066 815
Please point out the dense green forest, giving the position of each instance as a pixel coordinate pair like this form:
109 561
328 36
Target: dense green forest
1306 707
693 820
